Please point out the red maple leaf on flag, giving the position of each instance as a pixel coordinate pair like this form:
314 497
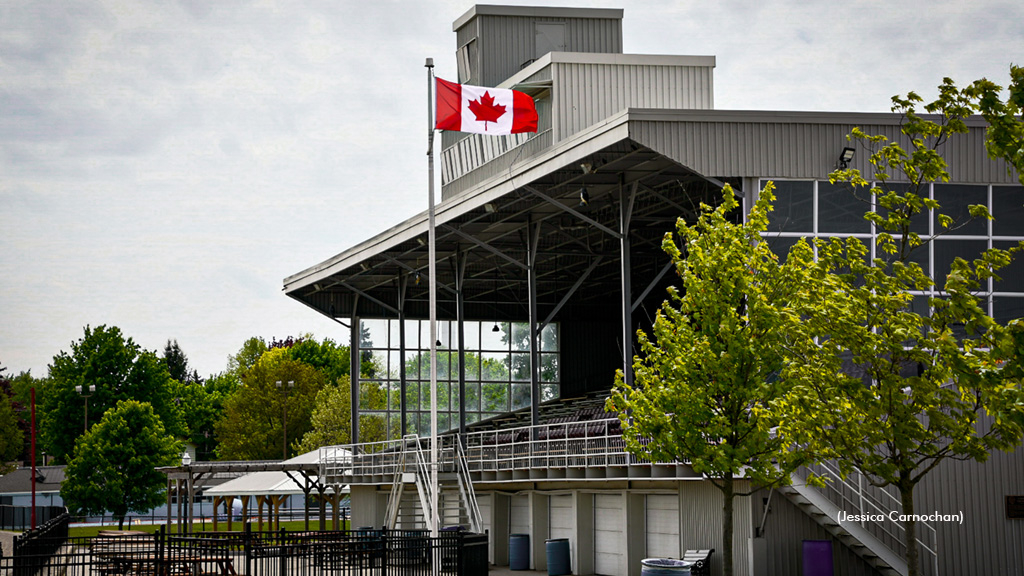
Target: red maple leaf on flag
485 110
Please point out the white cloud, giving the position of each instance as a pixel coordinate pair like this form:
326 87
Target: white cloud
166 164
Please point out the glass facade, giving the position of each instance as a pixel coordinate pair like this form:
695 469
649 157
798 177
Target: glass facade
819 209
497 372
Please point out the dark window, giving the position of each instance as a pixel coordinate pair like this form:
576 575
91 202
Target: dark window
948 250
1008 209
1013 275
1006 308
918 221
841 209
794 207
953 201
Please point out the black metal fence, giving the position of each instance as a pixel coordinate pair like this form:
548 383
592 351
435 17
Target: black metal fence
252 553
20 517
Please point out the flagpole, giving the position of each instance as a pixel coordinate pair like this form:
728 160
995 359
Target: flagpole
432 278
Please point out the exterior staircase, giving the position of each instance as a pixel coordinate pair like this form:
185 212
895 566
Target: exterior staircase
411 499
879 543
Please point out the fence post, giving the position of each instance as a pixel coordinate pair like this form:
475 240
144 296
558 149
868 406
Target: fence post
247 546
284 554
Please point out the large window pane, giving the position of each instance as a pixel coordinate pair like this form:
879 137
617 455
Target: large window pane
1013 275
781 245
549 338
841 209
794 207
375 334
1008 210
495 341
495 397
520 396
948 250
953 200
520 336
549 368
1006 308
918 221
494 367
521 367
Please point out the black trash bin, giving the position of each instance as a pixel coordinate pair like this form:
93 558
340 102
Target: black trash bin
519 551
558 556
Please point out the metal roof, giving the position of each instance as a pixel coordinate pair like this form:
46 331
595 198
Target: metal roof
662 163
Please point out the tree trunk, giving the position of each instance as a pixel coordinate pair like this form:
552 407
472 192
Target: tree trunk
120 522
727 497
910 530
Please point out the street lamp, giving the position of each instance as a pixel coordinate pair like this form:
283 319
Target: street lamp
284 407
85 392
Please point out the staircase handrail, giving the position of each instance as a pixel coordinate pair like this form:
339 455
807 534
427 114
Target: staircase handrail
868 505
466 488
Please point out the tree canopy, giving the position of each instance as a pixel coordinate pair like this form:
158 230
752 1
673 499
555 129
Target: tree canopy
252 425
711 363
888 387
113 468
119 369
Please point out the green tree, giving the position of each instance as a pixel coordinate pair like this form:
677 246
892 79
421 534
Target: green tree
246 357
119 369
113 468
252 425
713 357
331 422
11 436
888 389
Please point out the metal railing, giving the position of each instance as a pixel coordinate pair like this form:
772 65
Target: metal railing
585 444
252 553
857 496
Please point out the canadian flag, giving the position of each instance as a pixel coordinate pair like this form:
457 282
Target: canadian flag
494 111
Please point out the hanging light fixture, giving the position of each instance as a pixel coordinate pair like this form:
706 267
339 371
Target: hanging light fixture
496 328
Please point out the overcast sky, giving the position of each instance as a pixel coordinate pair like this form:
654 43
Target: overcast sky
165 165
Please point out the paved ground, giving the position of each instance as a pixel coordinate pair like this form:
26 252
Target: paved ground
506 571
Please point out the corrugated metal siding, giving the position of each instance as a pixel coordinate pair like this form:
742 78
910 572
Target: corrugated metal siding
585 94
700 513
508 42
795 149
787 526
987 540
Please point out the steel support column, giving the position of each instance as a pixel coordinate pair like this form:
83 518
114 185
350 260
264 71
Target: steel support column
460 300
353 372
533 240
403 283
625 213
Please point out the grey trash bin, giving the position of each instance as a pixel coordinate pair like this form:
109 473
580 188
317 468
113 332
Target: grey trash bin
664 567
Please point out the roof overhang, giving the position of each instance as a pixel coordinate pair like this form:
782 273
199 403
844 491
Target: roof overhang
659 164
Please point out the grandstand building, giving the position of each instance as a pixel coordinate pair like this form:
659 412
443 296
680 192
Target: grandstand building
549 260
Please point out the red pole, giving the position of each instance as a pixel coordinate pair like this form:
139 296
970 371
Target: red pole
33 394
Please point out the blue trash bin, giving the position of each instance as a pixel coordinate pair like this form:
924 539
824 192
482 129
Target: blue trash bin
558 556
519 551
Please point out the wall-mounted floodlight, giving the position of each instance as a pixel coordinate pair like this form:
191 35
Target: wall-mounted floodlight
846 156
490 208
